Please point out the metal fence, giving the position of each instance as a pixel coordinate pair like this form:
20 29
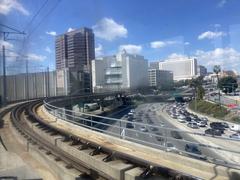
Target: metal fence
156 136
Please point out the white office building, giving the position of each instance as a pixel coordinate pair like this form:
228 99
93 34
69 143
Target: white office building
118 72
159 78
182 68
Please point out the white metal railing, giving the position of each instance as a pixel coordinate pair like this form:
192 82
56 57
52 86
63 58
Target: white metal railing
117 128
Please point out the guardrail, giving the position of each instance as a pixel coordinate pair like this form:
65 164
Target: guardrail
117 128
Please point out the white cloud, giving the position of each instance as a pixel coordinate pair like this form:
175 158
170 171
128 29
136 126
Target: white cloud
35 57
7 44
227 57
98 50
187 43
52 33
221 3
211 35
109 30
161 44
70 29
131 48
6 6
175 56
47 49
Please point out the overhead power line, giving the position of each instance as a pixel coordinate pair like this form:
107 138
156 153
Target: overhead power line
48 14
36 14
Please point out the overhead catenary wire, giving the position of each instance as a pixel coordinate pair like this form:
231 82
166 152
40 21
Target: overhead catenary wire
42 20
36 14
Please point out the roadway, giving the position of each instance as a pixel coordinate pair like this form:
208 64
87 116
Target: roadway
146 113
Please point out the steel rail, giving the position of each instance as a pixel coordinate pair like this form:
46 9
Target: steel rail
121 155
57 152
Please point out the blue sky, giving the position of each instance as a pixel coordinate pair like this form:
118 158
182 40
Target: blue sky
206 29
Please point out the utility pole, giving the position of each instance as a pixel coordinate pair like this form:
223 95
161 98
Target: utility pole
4 100
5 38
27 86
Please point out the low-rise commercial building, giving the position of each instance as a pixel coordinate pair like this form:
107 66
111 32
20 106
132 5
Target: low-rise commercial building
119 72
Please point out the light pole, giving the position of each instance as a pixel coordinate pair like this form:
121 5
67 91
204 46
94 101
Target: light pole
217 70
5 38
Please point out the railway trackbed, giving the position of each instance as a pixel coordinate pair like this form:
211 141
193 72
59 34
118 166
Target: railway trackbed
76 151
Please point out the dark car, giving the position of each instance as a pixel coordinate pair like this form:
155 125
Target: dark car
188 119
192 148
213 132
176 135
225 125
129 125
153 129
218 126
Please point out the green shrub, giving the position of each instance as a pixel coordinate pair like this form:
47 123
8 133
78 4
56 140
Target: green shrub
209 108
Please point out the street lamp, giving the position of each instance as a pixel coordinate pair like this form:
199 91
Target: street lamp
217 70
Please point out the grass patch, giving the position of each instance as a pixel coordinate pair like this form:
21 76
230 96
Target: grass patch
208 108
236 119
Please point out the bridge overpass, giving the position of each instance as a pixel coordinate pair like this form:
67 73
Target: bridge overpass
97 154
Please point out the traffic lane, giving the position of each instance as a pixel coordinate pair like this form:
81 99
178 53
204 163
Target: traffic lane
170 122
146 139
167 133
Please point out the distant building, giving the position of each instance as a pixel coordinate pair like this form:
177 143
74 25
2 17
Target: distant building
228 73
74 52
202 71
123 71
154 65
159 78
183 68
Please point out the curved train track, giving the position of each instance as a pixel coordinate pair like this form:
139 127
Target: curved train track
28 109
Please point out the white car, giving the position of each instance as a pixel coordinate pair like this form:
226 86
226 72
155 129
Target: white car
201 124
171 147
144 129
235 136
181 121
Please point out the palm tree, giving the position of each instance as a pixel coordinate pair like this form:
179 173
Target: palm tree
217 70
196 84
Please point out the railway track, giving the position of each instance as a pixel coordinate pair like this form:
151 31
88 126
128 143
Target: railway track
22 125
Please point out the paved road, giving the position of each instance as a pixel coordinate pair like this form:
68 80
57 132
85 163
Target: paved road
149 113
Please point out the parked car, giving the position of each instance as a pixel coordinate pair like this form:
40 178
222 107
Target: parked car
192 125
213 132
235 136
